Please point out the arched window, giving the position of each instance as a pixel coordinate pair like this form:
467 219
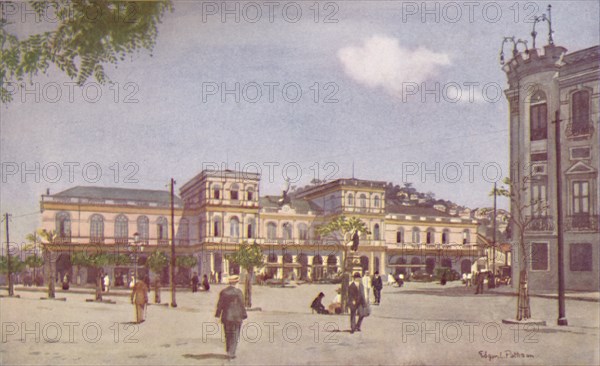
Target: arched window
376 201
287 231
234 192
234 227
363 200
250 229
217 226
63 226
143 228
96 229
250 193
416 235
217 191
350 199
121 229
271 230
580 112
466 236
162 229
400 236
376 234
184 231
430 236
446 236
302 231
538 116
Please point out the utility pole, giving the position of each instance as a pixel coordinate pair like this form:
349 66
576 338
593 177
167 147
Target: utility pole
562 319
493 277
11 289
173 301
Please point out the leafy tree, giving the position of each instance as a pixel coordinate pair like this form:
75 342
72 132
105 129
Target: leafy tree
157 261
34 261
79 259
119 259
16 264
249 257
186 261
88 35
342 229
49 237
520 218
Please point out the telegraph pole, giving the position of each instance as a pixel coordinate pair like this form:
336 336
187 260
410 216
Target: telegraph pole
562 319
173 301
493 277
11 289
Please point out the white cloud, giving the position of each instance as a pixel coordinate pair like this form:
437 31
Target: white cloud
381 62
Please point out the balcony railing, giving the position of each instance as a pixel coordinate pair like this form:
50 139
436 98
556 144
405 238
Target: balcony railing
542 223
121 240
163 241
579 129
581 223
63 239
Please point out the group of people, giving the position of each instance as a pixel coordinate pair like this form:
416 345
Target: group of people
358 299
196 283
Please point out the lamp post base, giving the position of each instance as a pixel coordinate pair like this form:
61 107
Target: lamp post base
562 321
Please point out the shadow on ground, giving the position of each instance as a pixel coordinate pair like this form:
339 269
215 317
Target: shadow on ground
207 356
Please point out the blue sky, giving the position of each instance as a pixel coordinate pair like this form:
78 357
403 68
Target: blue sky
369 59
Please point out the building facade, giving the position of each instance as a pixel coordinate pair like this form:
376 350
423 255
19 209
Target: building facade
549 86
219 210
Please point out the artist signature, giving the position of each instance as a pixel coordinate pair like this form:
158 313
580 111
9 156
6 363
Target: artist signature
504 354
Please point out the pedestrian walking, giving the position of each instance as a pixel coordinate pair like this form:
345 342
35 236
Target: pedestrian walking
356 302
106 283
65 283
469 279
195 282
377 286
480 279
139 297
366 282
231 311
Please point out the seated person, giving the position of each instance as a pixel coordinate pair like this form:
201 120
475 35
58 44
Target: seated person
317 305
336 305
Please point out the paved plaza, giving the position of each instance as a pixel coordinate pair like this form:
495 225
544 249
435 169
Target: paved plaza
421 323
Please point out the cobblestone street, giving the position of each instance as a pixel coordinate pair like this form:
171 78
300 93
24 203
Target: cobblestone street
418 324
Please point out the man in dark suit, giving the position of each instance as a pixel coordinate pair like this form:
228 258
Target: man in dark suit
355 242
377 284
356 300
232 312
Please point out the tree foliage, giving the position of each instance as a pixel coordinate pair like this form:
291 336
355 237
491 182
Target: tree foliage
248 256
16 264
34 261
343 225
87 36
157 261
186 261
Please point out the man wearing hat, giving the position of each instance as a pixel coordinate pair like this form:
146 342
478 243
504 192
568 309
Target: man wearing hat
139 297
356 302
377 286
231 310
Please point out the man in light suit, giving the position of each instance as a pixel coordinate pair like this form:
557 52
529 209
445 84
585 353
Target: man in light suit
356 301
139 297
231 310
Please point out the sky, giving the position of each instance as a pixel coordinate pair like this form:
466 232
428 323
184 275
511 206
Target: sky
383 90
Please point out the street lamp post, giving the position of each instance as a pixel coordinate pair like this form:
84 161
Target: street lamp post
136 248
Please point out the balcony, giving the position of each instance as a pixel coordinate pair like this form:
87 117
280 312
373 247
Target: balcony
121 241
63 239
163 241
581 223
542 223
579 129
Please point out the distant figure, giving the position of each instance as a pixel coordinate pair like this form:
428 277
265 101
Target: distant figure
65 282
317 304
195 282
355 242
366 282
205 284
336 305
219 277
139 297
377 286
231 310
356 303
480 279
157 289
212 277
443 279
106 283
469 279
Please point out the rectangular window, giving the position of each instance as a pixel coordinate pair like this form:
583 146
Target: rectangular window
538 122
539 256
580 111
581 257
581 198
539 197
398 236
234 195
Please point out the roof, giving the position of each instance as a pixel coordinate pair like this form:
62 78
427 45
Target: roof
300 205
587 53
124 194
415 210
